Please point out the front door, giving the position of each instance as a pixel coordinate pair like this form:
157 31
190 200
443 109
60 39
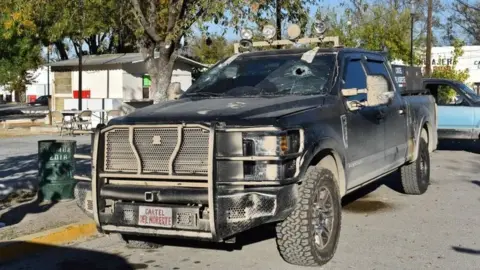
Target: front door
365 150
396 146
456 117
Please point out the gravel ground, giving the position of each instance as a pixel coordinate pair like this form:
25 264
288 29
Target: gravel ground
381 229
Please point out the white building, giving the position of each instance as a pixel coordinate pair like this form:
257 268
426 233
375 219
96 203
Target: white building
109 80
443 56
39 87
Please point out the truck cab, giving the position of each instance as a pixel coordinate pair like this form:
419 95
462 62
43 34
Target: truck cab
275 136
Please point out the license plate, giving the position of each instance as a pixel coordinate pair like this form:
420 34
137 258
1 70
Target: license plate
155 216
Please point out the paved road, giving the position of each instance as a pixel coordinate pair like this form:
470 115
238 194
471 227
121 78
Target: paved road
381 230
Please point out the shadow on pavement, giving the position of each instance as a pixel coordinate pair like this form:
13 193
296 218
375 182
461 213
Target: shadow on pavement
466 250
255 235
17 213
476 182
472 146
59 258
21 173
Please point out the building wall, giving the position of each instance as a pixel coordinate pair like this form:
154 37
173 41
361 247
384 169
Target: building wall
102 83
132 76
443 56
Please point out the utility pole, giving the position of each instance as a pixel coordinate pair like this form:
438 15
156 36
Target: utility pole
48 69
80 52
428 67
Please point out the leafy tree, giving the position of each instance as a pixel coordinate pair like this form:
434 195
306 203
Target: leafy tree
161 25
19 49
467 17
451 72
280 12
219 49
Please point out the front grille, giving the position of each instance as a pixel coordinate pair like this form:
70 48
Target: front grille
175 150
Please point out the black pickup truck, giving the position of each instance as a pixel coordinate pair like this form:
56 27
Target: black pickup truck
274 136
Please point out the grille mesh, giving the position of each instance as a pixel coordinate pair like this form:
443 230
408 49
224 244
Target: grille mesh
119 154
193 155
155 153
155 146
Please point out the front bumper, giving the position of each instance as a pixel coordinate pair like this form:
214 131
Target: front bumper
235 211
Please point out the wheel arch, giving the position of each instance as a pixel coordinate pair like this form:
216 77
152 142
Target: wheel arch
424 131
331 159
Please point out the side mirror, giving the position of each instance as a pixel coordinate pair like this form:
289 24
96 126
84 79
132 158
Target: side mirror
378 91
459 100
174 91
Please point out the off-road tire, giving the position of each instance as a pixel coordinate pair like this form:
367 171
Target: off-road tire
414 177
139 242
296 235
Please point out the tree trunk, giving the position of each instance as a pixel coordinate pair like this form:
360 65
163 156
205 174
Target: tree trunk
428 66
160 70
61 50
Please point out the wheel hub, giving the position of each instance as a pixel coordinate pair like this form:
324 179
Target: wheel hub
323 217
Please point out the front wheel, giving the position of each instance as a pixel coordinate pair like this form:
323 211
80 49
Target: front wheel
309 236
415 176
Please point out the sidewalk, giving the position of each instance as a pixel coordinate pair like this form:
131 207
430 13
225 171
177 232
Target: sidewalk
34 216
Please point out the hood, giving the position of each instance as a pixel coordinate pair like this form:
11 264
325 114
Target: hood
250 111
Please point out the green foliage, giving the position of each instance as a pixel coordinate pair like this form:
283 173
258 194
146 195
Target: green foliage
19 48
377 25
289 11
219 49
451 72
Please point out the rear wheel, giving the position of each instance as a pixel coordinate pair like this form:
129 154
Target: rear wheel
309 236
415 176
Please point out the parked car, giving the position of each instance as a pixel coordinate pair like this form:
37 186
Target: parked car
458 109
40 101
274 136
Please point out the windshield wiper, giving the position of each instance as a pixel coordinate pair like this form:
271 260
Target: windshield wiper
204 94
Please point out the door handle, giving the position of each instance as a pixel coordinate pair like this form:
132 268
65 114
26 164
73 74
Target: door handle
401 111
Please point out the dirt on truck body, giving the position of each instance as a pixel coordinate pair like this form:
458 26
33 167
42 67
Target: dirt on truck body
263 137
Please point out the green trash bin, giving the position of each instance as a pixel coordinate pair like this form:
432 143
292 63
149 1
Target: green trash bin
56 168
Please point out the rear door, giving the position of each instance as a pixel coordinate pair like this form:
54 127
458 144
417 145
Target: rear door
365 146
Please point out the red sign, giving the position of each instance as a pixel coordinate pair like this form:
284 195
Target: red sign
32 98
85 93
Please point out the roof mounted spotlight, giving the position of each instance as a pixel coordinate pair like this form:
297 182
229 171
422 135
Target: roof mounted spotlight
246 33
320 27
246 43
269 32
293 31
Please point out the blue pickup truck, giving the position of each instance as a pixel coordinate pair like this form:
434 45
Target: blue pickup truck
458 109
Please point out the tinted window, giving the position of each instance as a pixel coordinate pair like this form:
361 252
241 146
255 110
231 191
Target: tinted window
375 68
355 77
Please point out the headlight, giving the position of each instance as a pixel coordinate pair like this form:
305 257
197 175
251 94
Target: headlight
271 171
271 144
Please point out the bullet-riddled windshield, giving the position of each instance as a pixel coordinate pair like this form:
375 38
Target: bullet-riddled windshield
267 75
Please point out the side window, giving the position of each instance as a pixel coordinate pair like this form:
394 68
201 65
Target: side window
354 77
447 96
378 68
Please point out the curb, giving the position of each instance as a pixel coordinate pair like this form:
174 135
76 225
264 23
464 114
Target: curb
24 246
